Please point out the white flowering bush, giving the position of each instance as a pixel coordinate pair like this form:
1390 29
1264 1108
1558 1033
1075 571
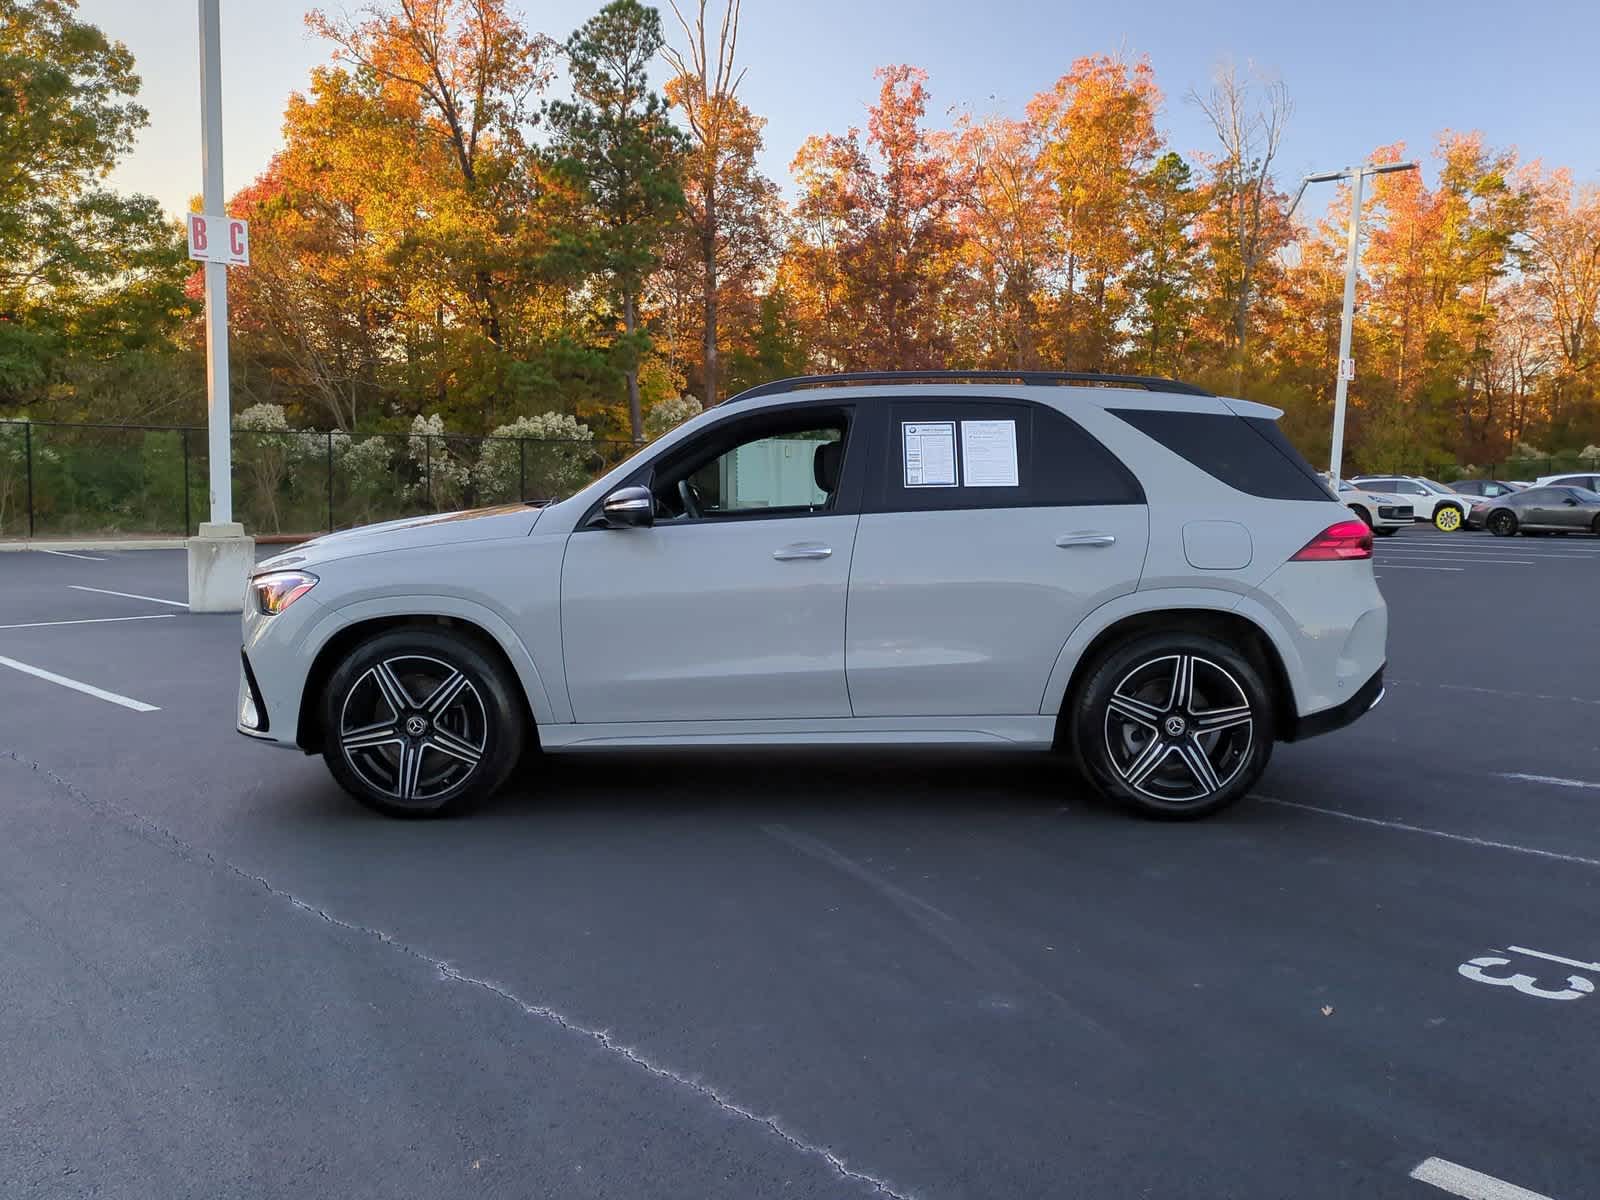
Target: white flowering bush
669 414
549 458
441 477
1590 454
364 469
265 454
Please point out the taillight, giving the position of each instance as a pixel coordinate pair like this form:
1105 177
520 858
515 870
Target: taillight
1347 539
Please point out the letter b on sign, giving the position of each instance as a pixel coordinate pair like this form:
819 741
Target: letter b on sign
199 241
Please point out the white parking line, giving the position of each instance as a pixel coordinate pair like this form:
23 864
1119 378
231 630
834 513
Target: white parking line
89 621
1467 1183
1465 687
1434 559
88 689
66 554
1389 566
1438 833
1553 780
127 595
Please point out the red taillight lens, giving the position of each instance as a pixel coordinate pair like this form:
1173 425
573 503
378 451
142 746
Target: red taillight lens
1347 539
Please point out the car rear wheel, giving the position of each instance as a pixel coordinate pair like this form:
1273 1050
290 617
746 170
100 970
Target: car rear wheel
1502 522
1176 726
421 723
1366 517
1447 518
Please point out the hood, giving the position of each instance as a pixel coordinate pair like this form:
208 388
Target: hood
408 533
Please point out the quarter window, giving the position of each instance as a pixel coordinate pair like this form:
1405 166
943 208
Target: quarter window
1247 453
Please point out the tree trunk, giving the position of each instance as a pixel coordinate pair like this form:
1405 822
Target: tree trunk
708 251
630 322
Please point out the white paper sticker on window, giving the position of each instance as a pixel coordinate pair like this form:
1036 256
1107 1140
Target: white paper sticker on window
989 453
929 448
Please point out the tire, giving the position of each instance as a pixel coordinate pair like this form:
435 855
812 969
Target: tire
1595 527
1136 736
1366 517
1502 522
1447 518
419 722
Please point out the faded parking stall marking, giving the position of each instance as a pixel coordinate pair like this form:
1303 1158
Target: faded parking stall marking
1467 1183
78 587
88 621
77 685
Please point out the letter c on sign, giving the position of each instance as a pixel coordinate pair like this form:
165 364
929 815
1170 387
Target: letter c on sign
197 234
236 237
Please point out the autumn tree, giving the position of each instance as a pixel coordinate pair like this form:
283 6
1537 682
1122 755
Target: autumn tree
1098 123
875 257
1006 222
91 281
1245 223
616 147
464 75
720 172
1563 263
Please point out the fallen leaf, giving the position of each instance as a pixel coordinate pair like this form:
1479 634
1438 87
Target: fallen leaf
1327 1010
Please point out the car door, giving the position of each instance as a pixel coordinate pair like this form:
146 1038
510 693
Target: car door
1568 511
1536 508
732 604
989 529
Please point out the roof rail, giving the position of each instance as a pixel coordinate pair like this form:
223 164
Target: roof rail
1150 383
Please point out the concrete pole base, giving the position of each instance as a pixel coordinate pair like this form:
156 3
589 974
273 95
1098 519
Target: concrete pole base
220 562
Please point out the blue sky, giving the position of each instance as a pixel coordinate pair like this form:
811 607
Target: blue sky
1362 73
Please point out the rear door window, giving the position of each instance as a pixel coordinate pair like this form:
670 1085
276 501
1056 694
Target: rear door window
949 453
1249 454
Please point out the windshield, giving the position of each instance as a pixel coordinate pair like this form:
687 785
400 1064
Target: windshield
1431 485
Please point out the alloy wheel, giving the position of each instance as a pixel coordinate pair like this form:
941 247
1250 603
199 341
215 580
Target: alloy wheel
1178 728
1447 519
413 727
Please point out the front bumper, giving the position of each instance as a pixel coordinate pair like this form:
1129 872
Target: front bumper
1327 720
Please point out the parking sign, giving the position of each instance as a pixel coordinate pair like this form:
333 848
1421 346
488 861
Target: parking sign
219 239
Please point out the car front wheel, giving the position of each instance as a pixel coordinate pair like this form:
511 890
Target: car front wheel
1177 726
1502 522
1447 518
420 723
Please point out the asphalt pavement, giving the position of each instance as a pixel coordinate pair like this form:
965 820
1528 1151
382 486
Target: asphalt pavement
930 975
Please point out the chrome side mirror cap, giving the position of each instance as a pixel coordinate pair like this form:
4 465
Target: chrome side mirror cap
630 508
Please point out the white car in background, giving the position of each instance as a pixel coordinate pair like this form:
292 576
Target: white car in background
1578 479
1380 512
1429 499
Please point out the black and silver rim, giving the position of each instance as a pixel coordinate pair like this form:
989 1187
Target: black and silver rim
413 728
1502 523
1178 728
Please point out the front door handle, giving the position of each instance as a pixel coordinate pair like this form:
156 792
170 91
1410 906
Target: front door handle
1068 540
802 550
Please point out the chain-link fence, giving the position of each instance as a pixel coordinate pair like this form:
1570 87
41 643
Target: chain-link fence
61 480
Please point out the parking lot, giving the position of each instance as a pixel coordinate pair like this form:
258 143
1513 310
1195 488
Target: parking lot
747 976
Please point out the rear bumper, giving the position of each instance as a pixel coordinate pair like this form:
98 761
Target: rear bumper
1337 717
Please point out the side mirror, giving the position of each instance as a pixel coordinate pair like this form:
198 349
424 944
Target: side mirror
630 508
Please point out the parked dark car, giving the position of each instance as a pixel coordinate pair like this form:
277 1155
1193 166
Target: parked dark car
1489 489
1539 510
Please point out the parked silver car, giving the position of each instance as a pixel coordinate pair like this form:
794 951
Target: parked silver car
1132 570
1539 510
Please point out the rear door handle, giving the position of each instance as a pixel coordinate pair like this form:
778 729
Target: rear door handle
1068 540
802 550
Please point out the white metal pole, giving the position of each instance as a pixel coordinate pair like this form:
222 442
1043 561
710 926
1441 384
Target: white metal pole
218 415
1352 260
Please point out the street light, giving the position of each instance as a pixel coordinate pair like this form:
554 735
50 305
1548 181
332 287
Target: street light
1347 366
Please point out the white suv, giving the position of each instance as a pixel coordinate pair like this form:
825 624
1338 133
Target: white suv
1132 570
1429 500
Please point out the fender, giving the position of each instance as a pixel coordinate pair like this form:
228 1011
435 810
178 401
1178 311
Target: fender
1163 600
433 604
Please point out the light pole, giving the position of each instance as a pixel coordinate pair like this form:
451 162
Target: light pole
1347 367
221 556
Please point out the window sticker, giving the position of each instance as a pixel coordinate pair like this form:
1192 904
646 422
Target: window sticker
929 452
989 453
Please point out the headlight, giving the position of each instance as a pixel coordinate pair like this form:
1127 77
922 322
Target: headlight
275 592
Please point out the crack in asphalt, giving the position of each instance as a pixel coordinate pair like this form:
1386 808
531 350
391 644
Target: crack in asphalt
196 854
